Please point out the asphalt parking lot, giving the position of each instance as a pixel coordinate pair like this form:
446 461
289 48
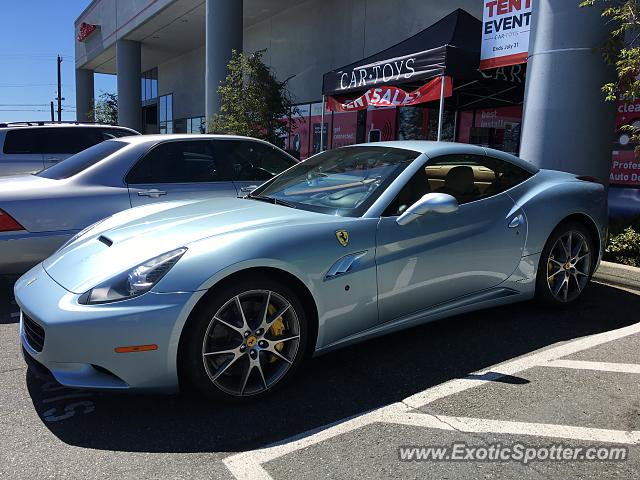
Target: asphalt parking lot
505 375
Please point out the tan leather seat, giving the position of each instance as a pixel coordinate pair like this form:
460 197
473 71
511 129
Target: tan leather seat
459 183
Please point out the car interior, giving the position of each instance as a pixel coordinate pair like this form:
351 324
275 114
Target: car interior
465 177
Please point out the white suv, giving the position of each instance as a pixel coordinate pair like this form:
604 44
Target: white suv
29 147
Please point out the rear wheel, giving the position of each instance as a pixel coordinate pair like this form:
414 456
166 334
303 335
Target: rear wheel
566 265
249 339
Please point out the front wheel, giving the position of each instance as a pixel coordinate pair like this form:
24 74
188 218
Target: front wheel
250 337
566 265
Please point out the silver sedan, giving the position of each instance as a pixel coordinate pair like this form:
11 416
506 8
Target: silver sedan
40 212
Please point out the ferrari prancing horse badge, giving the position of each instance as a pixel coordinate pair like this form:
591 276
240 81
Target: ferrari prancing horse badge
343 237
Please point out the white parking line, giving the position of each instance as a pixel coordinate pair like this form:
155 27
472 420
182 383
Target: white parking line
512 367
599 366
248 465
506 427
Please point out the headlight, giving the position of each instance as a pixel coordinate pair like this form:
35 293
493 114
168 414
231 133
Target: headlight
134 282
81 233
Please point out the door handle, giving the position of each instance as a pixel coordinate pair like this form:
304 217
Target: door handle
516 221
151 193
248 189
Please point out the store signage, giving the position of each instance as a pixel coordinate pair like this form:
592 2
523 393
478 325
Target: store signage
85 30
511 74
413 67
625 168
390 96
505 33
625 162
396 71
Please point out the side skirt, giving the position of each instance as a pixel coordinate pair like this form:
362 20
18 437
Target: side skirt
486 299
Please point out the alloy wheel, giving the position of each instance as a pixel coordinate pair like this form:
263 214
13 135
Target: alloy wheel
251 342
569 266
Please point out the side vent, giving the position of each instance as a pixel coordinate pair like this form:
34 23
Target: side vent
344 265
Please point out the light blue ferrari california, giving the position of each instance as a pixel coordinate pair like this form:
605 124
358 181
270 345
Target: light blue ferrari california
231 294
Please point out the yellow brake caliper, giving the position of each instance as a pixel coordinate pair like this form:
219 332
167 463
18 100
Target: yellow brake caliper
550 269
276 330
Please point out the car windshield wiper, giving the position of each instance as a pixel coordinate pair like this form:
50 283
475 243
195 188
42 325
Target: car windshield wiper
275 201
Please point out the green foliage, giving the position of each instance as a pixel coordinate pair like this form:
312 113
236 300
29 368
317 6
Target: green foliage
622 50
105 109
624 248
253 100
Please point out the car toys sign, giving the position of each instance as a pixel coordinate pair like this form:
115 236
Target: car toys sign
505 33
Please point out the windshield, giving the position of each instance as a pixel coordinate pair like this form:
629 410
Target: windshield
341 182
81 161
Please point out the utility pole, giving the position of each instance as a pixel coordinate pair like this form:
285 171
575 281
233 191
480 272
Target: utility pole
52 116
59 91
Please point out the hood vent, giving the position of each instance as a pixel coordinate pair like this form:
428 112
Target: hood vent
108 242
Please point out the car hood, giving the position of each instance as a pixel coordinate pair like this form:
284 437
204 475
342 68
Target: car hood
132 237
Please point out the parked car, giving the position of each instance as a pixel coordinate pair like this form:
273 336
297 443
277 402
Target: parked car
28 147
231 294
40 212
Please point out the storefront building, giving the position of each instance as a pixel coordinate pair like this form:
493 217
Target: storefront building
169 56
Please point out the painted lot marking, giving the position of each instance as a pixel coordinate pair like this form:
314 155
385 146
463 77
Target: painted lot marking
481 425
599 366
248 465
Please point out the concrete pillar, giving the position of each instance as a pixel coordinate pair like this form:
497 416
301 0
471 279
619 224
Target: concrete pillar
129 71
567 124
84 95
223 34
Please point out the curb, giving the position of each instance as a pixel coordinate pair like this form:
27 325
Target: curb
618 275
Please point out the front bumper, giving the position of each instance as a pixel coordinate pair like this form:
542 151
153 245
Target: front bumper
80 340
19 251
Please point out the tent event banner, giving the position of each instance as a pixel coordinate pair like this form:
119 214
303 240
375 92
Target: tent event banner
505 33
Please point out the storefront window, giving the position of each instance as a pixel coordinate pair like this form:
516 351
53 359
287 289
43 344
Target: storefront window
419 123
497 128
149 85
189 125
180 125
316 120
196 125
299 132
166 113
345 129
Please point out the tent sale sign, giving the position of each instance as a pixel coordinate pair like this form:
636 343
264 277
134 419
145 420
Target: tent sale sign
505 32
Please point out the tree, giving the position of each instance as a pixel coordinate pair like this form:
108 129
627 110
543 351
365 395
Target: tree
253 102
105 109
622 50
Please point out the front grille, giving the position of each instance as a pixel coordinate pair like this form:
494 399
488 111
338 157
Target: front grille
33 332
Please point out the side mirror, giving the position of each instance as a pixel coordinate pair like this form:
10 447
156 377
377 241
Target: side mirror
431 202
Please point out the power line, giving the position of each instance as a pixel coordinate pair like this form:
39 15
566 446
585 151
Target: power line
31 55
30 105
33 110
12 85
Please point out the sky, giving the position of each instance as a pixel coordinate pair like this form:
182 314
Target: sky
32 33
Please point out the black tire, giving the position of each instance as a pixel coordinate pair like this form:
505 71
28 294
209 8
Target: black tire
545 285
199 371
